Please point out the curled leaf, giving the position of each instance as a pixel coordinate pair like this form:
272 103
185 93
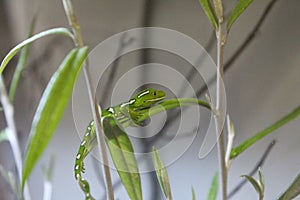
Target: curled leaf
16 49
259 185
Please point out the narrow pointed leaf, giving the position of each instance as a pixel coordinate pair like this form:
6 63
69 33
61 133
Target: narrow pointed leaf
122 154
293 190
258 136
209 11
16 49
193 194
213 191
51 108
237 11
162 174
261 181
254 183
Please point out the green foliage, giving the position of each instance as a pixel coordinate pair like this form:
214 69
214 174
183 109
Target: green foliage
16 49
89 140
162 174
237 11
209 11
259 185
261 181
292 191
122 154
51 108
258 136
193 194
56 96
213 191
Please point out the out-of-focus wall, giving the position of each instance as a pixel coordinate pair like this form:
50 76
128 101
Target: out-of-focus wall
261 86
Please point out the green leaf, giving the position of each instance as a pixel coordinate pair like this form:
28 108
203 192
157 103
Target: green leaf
21 65
253 182
237 11
122 154
193 194
258 136
213 191
51 108
292 191
16 49
209 11
162 174
3 135
261 181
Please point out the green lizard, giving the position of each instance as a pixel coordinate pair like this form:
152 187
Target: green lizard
125 114
132 113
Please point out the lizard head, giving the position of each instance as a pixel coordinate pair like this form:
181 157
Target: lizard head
146 98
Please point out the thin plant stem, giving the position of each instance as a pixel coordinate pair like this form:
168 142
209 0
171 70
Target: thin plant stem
244 45
72 19
221 37
100 136
47 190
229 63
96 110
48 174
12 133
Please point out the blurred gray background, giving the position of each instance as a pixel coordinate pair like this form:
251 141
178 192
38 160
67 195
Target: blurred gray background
262 85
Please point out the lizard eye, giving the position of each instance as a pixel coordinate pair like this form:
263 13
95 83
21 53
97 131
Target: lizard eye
154 93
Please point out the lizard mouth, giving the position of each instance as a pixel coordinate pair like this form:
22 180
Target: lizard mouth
156 99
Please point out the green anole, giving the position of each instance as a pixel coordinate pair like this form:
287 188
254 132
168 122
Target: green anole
132 113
